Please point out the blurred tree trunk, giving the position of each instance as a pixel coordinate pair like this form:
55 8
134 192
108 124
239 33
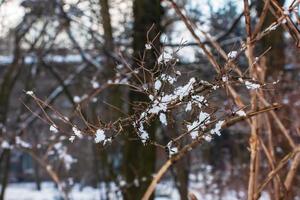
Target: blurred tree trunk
6 87
181 168
102 163
139 160
5 169
182 176
275 58
108 36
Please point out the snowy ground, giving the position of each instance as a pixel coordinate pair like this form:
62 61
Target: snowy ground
27 191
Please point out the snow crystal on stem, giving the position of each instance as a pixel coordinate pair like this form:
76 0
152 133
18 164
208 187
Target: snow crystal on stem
203 117
163 119
251 85
207 138
76 99
188 106
72 138
168 78
215 87
232 54
151 97
144 136
194 134
172 150
53 128
77 132
5 145
161 104
22 143
120 66
148 46
157 85
107 141
95 84
241 113
100 136
123 183
193 128
185 90
165 57
30 93
224 78
198 100
217 128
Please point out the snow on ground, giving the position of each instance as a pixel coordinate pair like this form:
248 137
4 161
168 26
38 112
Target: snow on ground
27 191
165 190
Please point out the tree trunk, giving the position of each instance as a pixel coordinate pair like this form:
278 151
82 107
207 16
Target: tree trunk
101 157
139 160
6 166
6 88
108 37
182 176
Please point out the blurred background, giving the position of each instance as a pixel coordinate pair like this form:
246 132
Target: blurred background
62 50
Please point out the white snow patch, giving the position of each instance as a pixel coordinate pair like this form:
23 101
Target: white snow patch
148 46
241 113
100 136
53 128
232 54
157 85
251 85
217 128
30 93
77 132
163 119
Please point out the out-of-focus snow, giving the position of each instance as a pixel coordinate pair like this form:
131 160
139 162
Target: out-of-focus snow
31 59
164 191
27 191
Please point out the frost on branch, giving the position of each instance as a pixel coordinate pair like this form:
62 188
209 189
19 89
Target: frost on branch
159 105
241 113
76 99
72 138
251 85
22 143
30 93
216 130
163 119
168 78
95 84
157 84
172 149
194 127
143 134
100 136
165 57
232 54
148 46
77 133
197 100
53 128
5 145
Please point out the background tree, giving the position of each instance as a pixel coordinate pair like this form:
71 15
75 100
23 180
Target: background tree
139 160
